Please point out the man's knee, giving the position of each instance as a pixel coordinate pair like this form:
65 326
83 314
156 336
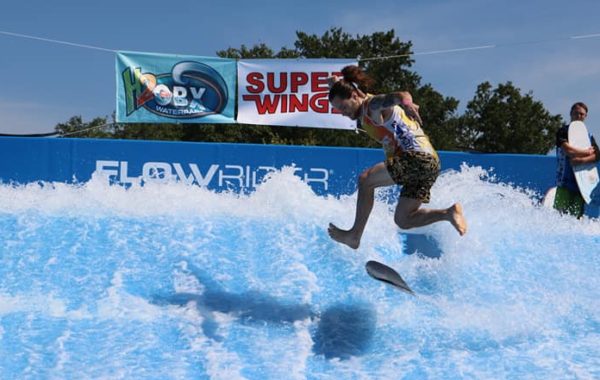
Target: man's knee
403 221
363 179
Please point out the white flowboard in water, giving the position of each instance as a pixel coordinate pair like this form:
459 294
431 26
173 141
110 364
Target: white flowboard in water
586 175
388 275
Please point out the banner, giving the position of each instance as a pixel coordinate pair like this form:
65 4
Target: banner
160 88
289 92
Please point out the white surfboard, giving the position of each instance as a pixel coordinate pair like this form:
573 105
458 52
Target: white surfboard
388 275
586 175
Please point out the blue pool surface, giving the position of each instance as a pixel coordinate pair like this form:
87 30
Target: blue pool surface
176 282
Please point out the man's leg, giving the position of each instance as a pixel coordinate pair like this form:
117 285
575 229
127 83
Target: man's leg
409 215
569 202
368 181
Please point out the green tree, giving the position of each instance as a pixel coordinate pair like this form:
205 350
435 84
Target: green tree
150 131
439 117
257 51
503 120
75 127
383 56
388 61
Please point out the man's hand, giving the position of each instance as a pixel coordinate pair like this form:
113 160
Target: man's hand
583 156
412 111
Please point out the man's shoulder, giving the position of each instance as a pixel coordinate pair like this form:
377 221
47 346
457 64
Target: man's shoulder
563 131
564 128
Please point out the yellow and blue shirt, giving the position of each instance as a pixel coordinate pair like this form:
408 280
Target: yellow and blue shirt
399 133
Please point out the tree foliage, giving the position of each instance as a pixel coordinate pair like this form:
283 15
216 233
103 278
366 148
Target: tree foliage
76 127
499 120
503 120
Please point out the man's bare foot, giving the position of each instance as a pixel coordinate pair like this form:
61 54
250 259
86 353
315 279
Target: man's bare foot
343 236
458 219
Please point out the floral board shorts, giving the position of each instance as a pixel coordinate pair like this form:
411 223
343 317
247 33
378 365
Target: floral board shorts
416 172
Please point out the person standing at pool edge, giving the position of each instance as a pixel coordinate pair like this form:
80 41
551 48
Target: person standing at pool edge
411 161
568 198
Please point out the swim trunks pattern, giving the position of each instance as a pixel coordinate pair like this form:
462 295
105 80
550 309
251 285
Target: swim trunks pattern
416 172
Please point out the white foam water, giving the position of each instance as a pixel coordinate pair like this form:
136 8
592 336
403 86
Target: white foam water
172 281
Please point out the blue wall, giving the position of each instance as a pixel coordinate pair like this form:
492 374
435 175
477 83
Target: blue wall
222 166
229 166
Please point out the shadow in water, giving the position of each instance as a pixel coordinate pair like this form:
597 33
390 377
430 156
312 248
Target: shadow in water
424 244
344 330
248 307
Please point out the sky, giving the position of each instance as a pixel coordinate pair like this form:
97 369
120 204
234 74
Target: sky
45 83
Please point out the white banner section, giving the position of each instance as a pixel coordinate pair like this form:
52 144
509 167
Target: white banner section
289 92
